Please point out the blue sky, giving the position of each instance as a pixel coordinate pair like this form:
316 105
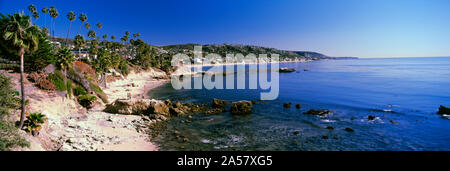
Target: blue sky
363 28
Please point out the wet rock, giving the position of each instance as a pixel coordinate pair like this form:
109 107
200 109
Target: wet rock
325 137
241 108
443 110
217 103
318 112
349 130
286 70
371 118
158 107
287 105
175 112
177 105
215 111
330 127
296 132
298 106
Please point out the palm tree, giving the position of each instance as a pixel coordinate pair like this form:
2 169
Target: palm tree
35 16
65 59
125 37
135 35
91 34
71 16
113 37
45 11
103 62
21 36
53 13
32 10
79 43
87 26
99 25
82 17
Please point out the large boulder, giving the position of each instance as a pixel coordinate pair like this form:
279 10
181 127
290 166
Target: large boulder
286 70
241 107
217 103
129 107
444 110
159 107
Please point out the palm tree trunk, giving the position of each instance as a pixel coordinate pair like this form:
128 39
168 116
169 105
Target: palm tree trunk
45 19
51 28
104 78
54 28
22 89
80 28
68 32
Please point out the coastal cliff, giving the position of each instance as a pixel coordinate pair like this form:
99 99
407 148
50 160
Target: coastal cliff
70 126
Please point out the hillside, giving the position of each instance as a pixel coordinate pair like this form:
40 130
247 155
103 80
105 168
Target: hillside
223 49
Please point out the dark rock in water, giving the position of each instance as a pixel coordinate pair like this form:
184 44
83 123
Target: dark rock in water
298 106
444 110
330 127
349 130
393 122
296 132
371 118
241 108
286 70
325 137
175 111
217 103
176 132
287 105
318 112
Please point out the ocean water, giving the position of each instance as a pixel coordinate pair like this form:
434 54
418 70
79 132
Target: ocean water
403 93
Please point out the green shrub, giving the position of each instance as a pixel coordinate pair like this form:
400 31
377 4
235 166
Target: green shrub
58 80
124 69
69 87
79 90
86 100
9 135
98 91
34 121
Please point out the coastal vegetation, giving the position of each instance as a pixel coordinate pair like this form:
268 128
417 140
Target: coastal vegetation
9 135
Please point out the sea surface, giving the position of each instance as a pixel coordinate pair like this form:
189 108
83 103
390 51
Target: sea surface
403 94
